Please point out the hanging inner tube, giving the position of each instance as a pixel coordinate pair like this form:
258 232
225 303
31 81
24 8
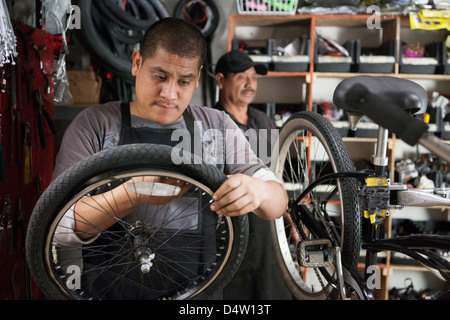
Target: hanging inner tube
113 29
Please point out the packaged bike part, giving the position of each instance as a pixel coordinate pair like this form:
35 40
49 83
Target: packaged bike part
56 23
153 189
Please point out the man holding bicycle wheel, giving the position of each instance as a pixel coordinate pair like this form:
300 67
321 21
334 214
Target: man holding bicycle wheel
167 70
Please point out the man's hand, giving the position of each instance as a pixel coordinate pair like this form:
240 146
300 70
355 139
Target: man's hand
241 194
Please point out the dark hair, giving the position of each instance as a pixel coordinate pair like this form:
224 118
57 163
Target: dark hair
176 36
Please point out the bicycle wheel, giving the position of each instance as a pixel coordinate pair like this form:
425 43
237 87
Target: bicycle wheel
171 246
310 147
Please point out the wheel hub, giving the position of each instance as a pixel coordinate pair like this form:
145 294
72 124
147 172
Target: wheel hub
143 253
144 256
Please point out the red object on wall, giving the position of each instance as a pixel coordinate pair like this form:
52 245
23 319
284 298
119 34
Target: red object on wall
27 113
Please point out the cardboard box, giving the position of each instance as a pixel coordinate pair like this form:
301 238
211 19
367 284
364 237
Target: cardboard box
85 87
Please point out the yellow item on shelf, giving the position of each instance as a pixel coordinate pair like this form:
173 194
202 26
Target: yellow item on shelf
430 20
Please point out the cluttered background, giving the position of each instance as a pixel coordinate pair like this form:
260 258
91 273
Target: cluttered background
58 57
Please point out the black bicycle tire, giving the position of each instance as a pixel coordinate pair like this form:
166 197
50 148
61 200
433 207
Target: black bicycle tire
151 9
120 34
147 9
106 14
160 8
125 17
95 44
91 39
214 20
351 247
117 28
133 8
119 158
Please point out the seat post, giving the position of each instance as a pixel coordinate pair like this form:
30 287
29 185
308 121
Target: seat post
379 159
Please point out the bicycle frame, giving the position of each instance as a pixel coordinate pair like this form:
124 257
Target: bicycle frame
415 246
376 97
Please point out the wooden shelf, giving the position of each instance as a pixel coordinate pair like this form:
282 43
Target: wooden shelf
344 75
407 267
287 74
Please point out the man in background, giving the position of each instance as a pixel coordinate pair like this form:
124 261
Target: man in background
259 277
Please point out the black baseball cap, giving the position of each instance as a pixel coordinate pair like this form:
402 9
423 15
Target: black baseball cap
238 61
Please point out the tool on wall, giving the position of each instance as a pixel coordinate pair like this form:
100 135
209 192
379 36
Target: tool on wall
6 234
42 114
2 156
26 104
27 154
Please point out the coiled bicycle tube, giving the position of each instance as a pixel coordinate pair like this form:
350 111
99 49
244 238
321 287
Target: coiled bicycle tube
124 16
387 114
104 32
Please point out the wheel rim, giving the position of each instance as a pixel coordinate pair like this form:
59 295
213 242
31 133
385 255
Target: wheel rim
148 246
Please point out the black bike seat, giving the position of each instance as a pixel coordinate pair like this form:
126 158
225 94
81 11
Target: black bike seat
403 93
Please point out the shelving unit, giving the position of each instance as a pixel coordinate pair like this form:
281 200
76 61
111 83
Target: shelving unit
256 29
312 87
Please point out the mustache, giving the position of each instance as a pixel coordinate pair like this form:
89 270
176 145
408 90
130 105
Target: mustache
248 90
165 103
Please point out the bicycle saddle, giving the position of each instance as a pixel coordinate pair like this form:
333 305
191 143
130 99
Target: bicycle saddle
403 93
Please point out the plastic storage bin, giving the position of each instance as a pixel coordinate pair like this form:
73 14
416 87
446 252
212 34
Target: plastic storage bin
298 59
381 59
331 63
427 64
267 7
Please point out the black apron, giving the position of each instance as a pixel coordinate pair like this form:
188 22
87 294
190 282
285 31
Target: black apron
129 135
95 281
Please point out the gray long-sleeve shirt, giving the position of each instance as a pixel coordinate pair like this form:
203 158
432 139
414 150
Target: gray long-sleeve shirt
98 128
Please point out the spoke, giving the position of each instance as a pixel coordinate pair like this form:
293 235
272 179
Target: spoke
175 268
